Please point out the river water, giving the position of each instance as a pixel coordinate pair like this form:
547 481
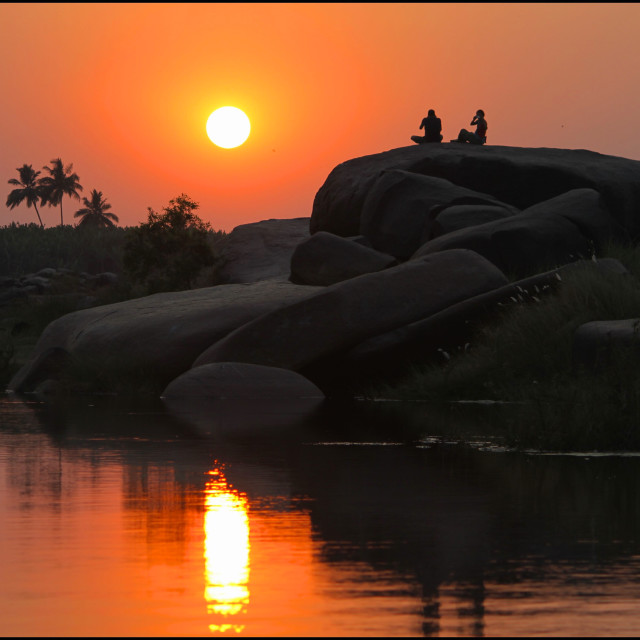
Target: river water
118 519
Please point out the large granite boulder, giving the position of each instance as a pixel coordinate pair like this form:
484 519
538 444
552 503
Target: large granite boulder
325 258
586 209
348 312
519 245
517 176
262 250
397 207
230 399
239 381
384 355
159 335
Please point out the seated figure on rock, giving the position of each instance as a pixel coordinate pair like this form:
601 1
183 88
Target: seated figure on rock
480 134
432 129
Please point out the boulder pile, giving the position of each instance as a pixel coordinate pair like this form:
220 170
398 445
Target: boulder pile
516 176
405 251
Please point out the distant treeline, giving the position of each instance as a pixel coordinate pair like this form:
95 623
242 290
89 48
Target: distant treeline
27 248
168 252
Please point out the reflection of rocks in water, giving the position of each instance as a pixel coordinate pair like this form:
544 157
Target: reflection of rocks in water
410 511
431 501
165 465
142 435
425 422
247 419
457 519
239 418
69 418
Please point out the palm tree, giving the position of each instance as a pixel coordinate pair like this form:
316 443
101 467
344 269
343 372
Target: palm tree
95 212
30 189
58 183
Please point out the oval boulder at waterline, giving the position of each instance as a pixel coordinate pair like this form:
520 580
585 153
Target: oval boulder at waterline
235 398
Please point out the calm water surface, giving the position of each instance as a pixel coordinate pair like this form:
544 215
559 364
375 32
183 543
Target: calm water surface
124 521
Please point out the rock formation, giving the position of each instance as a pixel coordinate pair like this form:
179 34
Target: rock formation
594 343
158 336
346 313
325 259
405 251
519 177
395 214
239 381
262 250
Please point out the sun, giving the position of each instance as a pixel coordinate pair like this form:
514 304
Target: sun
228 127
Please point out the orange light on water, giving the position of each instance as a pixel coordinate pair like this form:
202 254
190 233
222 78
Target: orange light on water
226 552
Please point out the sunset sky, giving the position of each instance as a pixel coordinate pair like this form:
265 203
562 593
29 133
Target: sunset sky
123 91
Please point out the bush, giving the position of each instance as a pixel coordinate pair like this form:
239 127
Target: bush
171 249
525 360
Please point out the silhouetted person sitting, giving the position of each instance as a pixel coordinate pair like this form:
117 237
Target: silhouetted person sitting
432 129
480 135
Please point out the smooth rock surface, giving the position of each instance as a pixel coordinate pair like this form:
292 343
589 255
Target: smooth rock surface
452 327
595 342
160 334
517 176
239 381
231 399
519 245
346 313
395 213
262 250
325 258
461 216
586 209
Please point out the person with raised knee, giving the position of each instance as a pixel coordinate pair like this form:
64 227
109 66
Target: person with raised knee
480 134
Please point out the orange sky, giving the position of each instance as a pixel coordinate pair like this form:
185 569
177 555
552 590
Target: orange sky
123 91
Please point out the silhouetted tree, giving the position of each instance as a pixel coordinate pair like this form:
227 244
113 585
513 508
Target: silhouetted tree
95 212
171 248
29 189
58 183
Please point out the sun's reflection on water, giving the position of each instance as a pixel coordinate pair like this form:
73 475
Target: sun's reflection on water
226 552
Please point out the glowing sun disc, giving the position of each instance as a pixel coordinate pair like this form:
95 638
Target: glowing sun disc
228 127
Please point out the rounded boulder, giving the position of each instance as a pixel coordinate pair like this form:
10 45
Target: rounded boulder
240 381
326 258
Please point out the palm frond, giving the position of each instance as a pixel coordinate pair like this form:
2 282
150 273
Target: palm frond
27 174
30 192
14 198
95 212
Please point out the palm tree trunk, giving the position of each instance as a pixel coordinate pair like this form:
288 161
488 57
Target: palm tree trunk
39 218
61 220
